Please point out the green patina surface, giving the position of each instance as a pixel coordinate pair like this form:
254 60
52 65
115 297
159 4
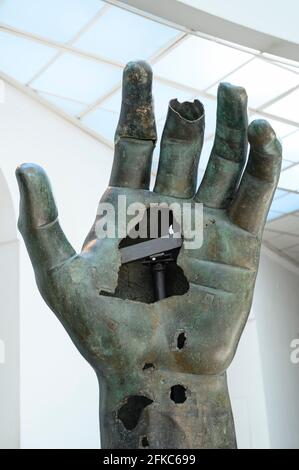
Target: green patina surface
157 391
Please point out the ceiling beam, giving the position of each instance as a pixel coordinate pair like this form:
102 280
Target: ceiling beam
72 120
59 46
193 20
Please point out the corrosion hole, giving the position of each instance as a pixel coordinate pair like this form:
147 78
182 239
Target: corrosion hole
178 393
144 442
148 365
130 412
181 340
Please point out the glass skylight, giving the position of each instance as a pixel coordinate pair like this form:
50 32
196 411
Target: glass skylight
54 19
113 103
283 204
287 107
69 106
279 193
22 58
74 77
76 65
287 203
289 179
286 164
136 38
102 121
199 63
291 146
272 215
263 81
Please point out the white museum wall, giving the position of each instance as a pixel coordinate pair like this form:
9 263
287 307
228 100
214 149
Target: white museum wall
276 303
9 323
59 393
247 392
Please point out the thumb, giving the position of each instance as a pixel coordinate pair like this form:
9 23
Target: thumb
38 219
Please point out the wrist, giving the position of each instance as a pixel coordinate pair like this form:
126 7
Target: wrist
158 409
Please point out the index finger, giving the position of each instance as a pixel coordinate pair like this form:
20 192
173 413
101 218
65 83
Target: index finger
135 135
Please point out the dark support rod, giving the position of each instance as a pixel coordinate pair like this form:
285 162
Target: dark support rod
159 279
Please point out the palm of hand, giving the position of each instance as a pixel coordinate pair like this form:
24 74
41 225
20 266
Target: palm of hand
221 275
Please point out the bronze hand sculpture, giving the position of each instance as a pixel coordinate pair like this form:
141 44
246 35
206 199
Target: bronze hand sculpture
162 364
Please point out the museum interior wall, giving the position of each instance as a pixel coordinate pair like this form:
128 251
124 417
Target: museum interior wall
9 323
275 306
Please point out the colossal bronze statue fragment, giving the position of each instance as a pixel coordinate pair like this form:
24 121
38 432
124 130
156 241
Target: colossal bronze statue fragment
162 363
